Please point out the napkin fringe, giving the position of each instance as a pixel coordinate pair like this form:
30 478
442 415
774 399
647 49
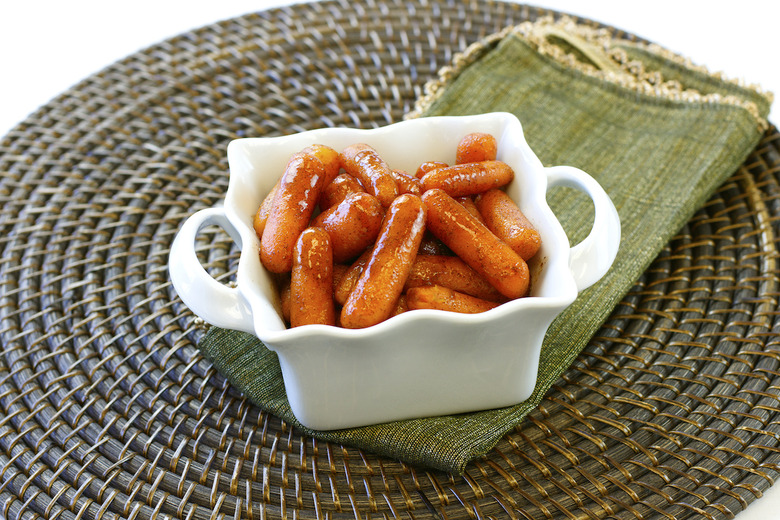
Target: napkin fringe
609 63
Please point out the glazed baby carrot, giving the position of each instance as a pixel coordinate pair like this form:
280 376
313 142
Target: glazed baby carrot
445 299
475 244
350 277
400 306
261 217
468 203
382 281
331 162
453 273
507 222
338 189
353 225
428 166
364 163
476 147
338 273
284 297
469 179
291 212
311 284
331 165
406 183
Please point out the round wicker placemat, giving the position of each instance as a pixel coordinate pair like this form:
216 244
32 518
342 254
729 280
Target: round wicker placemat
108 411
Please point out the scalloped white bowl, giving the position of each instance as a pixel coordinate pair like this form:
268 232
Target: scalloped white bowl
419 363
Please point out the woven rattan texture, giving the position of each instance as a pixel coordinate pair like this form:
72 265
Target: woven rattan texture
108 411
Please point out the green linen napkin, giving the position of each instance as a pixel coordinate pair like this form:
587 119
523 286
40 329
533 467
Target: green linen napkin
659 134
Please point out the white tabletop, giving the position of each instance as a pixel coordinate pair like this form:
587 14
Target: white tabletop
47 46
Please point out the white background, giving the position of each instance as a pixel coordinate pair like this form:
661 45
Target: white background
47 46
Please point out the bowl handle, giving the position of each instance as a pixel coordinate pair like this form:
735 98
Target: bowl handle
216 303
590 259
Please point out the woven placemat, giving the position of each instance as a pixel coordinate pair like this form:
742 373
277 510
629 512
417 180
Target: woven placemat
108 411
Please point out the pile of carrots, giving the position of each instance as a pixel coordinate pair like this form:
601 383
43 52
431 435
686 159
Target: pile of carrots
353 241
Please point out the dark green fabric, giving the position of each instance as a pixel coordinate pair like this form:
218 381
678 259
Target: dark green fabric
658 159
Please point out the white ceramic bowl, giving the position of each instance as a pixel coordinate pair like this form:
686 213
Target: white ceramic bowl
423 362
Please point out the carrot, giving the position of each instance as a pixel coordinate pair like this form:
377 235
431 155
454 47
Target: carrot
469 178
285 297
453 273
291 212
261 217
445 299
476 147
350 277
338 189
468 203
406 183
311 284
475 244
330 161
353 225
364 163
502 216
382 280
428 166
